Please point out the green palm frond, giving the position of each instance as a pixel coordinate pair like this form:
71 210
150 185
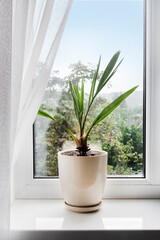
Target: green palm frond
92 90
107 110
45 114
106 76
108 71
78 99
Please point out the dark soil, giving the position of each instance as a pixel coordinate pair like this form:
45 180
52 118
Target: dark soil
76 153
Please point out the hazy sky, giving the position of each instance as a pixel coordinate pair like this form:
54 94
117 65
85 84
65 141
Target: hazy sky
97 28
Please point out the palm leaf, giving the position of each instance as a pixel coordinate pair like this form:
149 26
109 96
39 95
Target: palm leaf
107 110
76 101
91 95
76 89
45 114
111 75
77 96
107 72
92 90
82 107
82 96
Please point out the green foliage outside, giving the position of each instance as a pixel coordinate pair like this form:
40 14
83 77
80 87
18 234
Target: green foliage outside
121 134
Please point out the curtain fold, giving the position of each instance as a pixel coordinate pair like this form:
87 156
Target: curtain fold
5 116
33 100
19 24
35 28
36 51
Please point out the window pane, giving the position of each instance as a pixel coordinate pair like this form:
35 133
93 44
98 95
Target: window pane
97 28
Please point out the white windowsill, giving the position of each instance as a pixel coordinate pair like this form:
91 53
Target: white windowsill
115 214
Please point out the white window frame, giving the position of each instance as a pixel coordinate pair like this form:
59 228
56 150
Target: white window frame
25 186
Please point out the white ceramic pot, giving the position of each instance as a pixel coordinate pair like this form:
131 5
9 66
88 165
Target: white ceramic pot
82 178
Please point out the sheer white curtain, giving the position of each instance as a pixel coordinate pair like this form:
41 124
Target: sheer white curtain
37 27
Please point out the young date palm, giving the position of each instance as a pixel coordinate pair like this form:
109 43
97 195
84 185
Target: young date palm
78 100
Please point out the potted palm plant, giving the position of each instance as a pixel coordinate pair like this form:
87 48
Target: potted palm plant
82 171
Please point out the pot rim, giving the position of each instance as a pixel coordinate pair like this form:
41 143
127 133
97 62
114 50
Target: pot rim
104 153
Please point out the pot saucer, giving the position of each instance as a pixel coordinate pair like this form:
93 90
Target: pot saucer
84 209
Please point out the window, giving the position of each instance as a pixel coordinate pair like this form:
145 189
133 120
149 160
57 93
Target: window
117 25
26 186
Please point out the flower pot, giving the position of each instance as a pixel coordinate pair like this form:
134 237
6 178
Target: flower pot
82 178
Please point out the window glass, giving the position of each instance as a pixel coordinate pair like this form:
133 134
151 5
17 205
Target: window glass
97 28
